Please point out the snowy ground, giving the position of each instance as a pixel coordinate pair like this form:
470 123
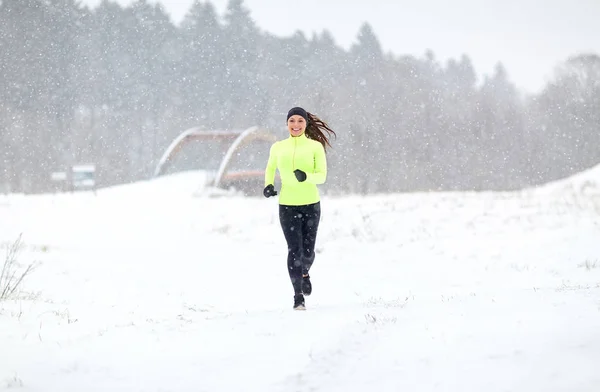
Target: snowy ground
150 287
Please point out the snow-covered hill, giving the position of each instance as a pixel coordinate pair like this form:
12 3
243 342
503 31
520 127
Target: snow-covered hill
155 286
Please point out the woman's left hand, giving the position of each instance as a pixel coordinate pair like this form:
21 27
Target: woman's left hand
300 175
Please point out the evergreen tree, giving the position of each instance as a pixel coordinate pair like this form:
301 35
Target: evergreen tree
202 67
241 57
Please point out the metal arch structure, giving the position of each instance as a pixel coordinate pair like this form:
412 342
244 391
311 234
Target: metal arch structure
244 138
240 139
184 137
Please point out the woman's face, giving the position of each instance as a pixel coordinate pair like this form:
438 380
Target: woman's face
296 125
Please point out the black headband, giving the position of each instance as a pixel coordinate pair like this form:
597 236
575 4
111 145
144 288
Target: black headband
297 111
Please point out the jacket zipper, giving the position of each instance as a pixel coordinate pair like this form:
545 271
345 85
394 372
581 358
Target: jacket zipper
294 155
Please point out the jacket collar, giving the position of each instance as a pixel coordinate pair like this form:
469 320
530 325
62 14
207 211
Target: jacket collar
298 138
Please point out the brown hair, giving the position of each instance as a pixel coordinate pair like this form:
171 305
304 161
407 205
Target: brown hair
317 129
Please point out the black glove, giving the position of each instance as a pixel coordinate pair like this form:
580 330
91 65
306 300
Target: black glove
269 191
300 175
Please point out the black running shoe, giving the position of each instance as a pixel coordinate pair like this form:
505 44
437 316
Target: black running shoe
299 302
306 285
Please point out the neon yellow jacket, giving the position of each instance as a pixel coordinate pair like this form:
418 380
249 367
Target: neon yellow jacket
294 153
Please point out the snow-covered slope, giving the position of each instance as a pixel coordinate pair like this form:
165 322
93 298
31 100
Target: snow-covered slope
156 287
584 182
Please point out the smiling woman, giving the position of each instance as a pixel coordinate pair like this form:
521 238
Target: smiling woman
302 166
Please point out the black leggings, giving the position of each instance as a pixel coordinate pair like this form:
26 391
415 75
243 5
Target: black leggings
300 225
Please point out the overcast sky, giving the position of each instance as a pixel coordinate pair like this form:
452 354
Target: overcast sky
529 36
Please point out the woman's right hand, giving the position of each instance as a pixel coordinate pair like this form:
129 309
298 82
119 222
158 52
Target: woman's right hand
269 191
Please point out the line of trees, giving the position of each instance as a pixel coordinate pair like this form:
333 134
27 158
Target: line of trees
114 85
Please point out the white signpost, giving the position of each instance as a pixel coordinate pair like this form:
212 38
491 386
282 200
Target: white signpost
61 181
83 177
